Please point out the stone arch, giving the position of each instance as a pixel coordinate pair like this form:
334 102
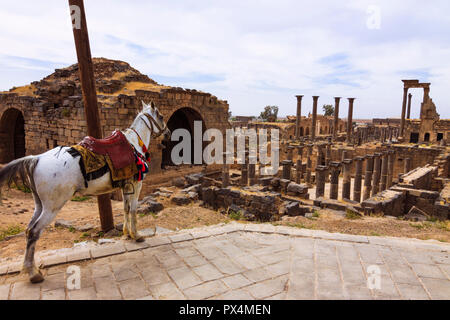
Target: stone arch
181 118
12 135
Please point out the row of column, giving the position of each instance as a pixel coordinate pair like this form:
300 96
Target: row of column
378 176
314 117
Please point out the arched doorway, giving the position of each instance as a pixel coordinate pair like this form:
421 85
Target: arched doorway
426 138
301 131
182 118
307 131
12 135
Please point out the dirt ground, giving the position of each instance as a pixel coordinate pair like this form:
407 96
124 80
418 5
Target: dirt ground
18 208
332 221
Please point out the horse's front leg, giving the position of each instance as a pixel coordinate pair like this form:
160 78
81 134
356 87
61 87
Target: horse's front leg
131 202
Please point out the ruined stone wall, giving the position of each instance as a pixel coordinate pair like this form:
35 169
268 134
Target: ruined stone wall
432 127
61 123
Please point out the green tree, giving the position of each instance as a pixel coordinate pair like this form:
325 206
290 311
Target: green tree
270 114
328 110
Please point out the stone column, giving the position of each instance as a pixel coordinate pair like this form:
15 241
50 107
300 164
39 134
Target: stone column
391 161
328 153
350 119
357 181
299 165
287 164
347 163
252 170
308 163
225 172
344 154
290 152
368 177
408 114
299 116
321 171
314 117
426 94
334 179
407 165
320 157
384 171
402 123
376 173
336 116
244 174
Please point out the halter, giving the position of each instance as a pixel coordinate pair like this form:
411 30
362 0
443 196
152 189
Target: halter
152 124
152 133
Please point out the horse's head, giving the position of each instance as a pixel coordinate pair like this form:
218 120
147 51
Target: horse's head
155 121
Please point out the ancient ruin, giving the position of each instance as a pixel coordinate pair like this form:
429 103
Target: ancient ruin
389 167
49 113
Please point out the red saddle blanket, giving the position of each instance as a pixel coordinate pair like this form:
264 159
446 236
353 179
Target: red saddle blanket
116 146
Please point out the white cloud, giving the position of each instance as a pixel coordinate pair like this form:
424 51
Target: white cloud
258 52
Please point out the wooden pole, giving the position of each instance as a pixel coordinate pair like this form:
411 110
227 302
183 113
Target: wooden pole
86 68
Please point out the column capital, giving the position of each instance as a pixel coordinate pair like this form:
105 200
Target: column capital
299 97
321 168
347 161
334 164
316 97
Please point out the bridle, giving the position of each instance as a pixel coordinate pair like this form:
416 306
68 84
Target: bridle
153 123
154 135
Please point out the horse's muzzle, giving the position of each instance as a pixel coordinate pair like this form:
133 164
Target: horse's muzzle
167 134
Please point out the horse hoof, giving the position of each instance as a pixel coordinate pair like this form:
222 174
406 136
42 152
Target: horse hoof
37 278
140 239
125 237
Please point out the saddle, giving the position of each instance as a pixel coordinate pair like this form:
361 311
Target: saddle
116 146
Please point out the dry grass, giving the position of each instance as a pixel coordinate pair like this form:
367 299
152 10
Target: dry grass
27 90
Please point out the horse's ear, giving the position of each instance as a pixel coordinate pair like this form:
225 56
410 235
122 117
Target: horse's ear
152 105
143 104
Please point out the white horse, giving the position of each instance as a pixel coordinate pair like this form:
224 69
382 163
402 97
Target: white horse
55 176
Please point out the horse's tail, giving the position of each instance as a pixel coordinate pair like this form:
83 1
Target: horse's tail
20 170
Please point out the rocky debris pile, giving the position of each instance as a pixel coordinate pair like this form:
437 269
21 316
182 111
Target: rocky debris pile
294 209
149 205
415 214
388 202
262 206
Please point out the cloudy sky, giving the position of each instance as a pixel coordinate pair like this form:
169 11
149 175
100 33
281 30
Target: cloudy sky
252 53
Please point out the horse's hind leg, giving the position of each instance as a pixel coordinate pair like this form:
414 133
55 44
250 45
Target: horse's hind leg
37 210
28 264
126 216
33 235
131 202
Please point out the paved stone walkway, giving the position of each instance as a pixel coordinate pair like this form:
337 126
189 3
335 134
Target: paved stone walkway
243 261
